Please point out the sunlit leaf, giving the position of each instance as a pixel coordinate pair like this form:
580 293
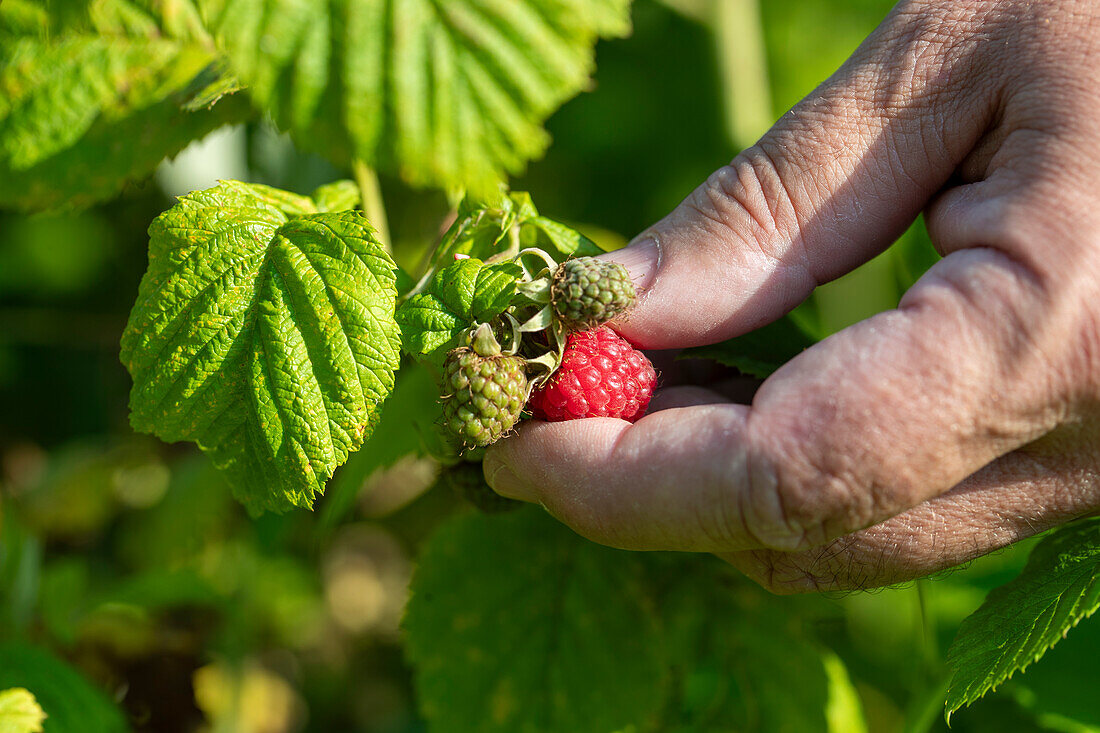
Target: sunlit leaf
264 332
248 699
443 93
337 196
508 223
556 239
88 108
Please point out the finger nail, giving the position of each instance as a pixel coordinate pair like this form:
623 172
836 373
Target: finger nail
504 481
641 258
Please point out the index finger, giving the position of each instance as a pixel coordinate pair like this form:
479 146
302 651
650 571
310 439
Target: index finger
866 424
828 187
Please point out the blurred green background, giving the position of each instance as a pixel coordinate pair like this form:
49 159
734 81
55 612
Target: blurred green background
129 558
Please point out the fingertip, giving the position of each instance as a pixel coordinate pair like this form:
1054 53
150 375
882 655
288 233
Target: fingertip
499 472
542 457
504 481
642 260
640 485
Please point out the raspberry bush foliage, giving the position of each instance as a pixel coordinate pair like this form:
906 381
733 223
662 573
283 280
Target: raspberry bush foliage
307 354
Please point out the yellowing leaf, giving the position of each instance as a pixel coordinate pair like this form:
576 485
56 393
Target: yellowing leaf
70 702
20 712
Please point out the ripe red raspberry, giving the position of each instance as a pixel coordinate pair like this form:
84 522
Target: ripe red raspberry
601 375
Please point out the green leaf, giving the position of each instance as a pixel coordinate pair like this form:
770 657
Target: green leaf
1021 620
20 571
264 332
337 196
20 712
457 295
210 86
449 94
843 711
87 109
69 701
760 352
23 17
517 625
1061 684
560 241
735 650
482 229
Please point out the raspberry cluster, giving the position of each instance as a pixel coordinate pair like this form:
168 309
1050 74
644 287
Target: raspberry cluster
575 367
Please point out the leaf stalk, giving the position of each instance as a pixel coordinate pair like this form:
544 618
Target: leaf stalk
373 206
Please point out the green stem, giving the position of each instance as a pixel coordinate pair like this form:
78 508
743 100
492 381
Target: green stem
931 680
373 206
926 707
928 627
743 64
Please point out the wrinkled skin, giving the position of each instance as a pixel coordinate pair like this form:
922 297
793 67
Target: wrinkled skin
962 421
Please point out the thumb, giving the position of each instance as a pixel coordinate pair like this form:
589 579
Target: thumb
831 185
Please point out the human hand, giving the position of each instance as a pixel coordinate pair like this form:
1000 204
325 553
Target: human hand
964 420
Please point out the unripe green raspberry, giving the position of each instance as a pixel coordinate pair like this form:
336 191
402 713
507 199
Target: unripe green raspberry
587 292
467 481
482 396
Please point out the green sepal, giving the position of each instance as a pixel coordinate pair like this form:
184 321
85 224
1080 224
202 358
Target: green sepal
535 291
541 321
